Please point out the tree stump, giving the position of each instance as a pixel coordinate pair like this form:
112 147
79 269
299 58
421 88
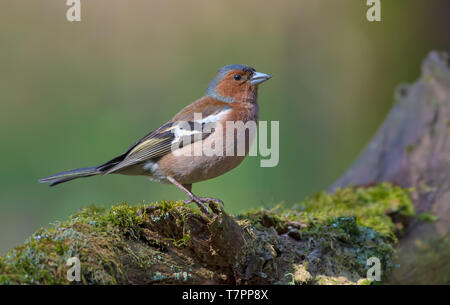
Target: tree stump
412 149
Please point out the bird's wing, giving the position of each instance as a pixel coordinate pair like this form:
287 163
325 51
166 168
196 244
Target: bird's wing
182 130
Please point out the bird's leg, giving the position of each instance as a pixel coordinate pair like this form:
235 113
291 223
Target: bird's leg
187 190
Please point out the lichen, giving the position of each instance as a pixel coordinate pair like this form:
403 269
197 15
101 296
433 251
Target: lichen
330 237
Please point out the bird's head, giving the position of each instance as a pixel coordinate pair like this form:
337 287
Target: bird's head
236 83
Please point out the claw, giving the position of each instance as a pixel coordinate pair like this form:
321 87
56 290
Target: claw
209 199
200 201
203 207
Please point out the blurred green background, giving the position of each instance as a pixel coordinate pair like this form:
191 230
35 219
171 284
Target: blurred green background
78 94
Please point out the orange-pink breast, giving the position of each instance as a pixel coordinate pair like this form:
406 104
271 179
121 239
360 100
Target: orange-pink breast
189 169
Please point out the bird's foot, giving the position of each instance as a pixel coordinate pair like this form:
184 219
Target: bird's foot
201 202
210 199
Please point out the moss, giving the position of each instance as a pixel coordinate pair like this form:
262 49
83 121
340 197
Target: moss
182 241
91 234
106 242
427 217
410 148
383 208
340 231
125 217
333 235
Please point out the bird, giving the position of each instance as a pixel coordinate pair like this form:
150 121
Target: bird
166 155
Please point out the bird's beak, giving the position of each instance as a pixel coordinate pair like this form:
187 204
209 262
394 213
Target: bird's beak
259 78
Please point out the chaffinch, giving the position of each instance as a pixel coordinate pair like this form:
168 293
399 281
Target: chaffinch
165 154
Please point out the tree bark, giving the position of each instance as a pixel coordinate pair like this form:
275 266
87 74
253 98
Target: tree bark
412 149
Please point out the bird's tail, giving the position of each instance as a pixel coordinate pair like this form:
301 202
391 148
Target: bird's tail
70 175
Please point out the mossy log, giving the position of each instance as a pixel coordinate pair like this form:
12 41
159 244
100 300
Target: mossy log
327 239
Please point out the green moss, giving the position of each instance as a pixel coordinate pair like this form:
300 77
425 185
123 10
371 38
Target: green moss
378 207
125 217
182 241
427 217
410 148
91 234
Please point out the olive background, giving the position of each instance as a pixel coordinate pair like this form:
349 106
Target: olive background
78 94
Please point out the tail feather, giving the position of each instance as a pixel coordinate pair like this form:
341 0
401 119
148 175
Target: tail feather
70 175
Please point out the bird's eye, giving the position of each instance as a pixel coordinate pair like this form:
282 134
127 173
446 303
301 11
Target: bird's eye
237 77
